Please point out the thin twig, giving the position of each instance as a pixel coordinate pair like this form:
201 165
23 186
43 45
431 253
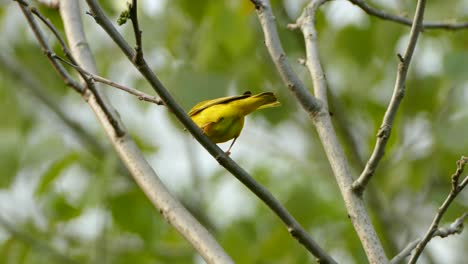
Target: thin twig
89 84
37 90
455 228
398 92
406 21
57 35
167 205
141 95
272 41
136 30
455 190
69 81
306 23
335 154
142 172
295 229
374 196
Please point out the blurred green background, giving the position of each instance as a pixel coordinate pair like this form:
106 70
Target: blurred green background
64 194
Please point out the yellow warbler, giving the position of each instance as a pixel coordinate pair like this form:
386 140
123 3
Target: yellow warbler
222 119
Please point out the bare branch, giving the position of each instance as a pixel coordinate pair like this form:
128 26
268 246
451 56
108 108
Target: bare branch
354 203
57 35
306 23
143 174
398 92
434 228
171 209
406 21
36 89
89 84
455 228
69 81
141 95
136 30
311 104
294 228
405 252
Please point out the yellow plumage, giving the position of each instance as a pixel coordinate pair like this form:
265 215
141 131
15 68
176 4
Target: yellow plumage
222 119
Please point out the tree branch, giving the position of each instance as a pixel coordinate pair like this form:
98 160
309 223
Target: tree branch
273 43
141 95
306 22
406 21
398 92
294 228
433 229
136 30
57 35
143 174
36 89
354 204
455 228
89 83
171 209
69 81
374 196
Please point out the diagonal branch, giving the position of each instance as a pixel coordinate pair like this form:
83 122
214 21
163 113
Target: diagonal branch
398 92
272 41
82 89
57 35
306 22
141 171
136 30
455 228
406 21
294 228
141 95
383 215
339 164
69 81
456 189
36 89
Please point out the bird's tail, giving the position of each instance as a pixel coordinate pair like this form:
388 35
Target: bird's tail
268 99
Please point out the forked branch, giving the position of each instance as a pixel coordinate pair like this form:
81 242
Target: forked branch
406 21
354 203
294 228
398 92
131 156
457 187
455 228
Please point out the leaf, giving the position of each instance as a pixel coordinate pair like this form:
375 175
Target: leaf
54 170
133 212
9 151
60 209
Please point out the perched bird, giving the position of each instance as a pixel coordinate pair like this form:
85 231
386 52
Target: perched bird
222 119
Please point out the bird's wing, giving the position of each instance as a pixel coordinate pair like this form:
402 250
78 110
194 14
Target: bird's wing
205 104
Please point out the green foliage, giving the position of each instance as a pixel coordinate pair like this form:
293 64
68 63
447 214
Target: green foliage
207 49
133 212
54 171
124 16
58 208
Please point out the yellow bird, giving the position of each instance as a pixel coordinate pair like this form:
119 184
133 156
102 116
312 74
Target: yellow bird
222 119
